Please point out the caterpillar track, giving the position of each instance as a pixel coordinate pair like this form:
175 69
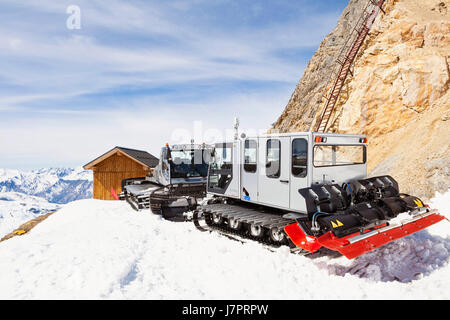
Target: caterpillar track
241 223
163 196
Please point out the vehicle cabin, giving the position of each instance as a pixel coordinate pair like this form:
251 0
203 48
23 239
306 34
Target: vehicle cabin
270 169
115 165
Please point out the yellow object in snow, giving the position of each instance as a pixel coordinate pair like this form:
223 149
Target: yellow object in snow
19 232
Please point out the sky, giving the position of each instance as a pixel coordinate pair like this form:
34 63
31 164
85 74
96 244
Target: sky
79 77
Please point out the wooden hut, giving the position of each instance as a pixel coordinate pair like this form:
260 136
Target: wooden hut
115 165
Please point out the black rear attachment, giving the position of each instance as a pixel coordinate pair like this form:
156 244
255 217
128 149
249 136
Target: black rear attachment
354 206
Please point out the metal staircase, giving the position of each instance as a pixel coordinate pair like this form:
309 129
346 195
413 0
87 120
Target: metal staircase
345 59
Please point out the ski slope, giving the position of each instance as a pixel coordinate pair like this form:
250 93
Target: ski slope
94 249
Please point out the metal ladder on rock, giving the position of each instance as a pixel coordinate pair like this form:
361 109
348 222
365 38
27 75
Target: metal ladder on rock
346 57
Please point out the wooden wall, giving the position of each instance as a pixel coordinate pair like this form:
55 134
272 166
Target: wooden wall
110 173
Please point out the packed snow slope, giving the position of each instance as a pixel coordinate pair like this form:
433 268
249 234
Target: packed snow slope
93 249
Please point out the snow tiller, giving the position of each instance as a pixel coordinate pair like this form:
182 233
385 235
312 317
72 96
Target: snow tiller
358 217
310 191
174 185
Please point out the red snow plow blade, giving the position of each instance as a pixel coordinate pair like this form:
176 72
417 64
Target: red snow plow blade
357 244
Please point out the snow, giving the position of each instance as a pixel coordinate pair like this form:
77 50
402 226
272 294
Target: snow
17 208
93 249
8 173
79 173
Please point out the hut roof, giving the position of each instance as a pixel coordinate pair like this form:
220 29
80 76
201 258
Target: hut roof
143 157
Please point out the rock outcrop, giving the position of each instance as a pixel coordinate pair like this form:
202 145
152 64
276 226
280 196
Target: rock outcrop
398 94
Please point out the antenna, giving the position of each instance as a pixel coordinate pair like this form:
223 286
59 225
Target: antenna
236 128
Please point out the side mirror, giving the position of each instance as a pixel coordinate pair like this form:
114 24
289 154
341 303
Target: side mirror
168 154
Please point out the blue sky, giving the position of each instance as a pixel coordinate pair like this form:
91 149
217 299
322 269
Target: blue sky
142 73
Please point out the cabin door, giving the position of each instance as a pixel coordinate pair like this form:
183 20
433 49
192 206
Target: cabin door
274 177
249 170
299 171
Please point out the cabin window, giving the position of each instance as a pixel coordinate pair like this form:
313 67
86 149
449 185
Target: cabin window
221 168
222 157
299 157
273 158
339 155
250 151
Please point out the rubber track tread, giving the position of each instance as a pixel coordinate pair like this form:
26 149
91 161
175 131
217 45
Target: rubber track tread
245 215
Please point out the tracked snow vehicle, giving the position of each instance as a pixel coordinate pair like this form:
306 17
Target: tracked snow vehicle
308 190
175 183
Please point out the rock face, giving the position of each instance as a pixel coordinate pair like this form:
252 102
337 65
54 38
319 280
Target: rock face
398 94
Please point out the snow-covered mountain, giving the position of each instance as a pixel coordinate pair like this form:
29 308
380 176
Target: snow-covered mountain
24 195
56 185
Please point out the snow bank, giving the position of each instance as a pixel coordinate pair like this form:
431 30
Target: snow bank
94 249
441 201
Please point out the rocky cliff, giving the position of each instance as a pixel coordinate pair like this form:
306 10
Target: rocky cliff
398 94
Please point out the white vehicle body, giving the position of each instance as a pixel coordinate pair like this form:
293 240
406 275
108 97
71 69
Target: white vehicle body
270 169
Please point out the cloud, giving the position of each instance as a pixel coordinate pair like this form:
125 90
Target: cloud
139 70
77 138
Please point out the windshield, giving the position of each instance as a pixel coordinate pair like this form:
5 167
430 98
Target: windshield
338 155
221 158
189 163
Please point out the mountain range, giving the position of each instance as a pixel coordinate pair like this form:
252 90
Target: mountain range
25 195
56 185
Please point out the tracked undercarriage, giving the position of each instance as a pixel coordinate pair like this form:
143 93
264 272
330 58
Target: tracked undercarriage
241 222
172 200
251 222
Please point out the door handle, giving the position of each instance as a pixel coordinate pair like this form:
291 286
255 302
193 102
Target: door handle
284 181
